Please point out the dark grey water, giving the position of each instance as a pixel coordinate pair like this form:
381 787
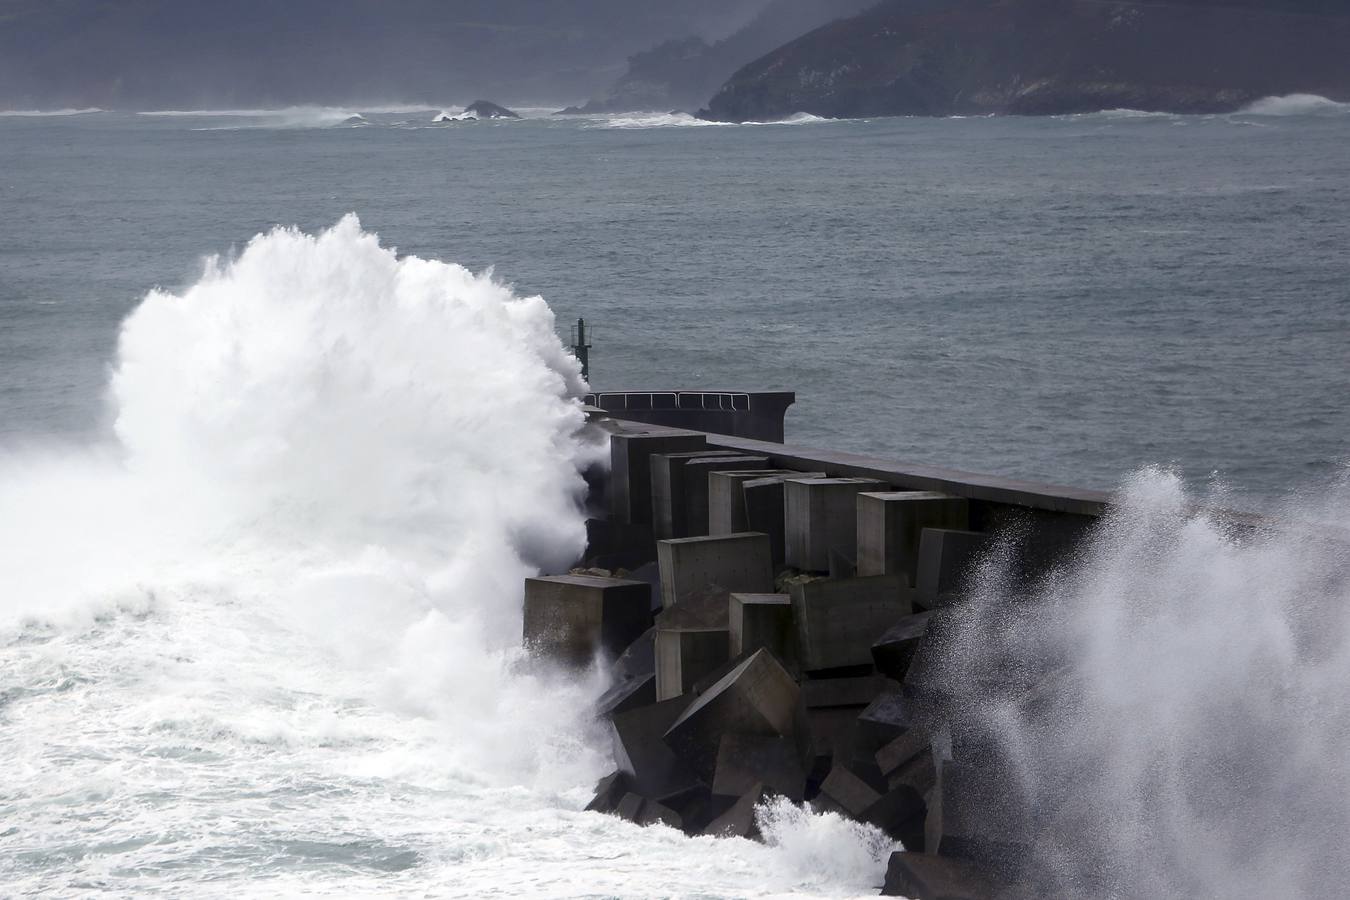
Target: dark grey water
1061 299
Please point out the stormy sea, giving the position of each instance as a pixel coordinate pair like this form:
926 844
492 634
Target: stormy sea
287 415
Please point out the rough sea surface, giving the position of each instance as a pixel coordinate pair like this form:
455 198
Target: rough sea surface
265 517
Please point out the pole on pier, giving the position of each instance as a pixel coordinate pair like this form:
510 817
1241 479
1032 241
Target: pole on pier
582 350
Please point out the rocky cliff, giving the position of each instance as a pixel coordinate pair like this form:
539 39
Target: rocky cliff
1042 57
684 73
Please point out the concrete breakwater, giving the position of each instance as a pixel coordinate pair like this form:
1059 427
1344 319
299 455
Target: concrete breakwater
774 618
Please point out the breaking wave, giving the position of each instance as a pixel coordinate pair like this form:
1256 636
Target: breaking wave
1297 105
685 120
44 113
266 636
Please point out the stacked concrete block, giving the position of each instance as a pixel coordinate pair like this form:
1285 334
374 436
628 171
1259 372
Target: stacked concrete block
763 500
642 755
696 487
820 518
630 482
890 524
726 501
944 557
757 697
668 489
893 652
763 620
572 618
612 545
735 562
838 620
746 762
685 654
920 876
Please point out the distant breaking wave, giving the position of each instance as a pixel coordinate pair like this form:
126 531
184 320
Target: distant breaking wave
685 120
43 113
1297 105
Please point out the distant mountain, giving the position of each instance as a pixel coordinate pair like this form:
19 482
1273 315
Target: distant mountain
976 57
230 53
684 73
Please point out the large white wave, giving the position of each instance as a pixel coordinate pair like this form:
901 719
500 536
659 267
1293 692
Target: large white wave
267 637
1189 734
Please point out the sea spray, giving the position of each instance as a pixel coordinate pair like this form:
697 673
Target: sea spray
266 638
1190 732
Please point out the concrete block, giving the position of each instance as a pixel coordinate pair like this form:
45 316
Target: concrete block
758 697
894 650
739 820
905 748
920 876
976 813
571 618
944 557
686 654
641 753
763 498
856 691
630 807
630 693
657 813
890 524
896 811
763 620
637 659
726 500
735 562
611 545
609 791
630 483
837 621
820 515
696 487
746 761
844 792
889 715
669 505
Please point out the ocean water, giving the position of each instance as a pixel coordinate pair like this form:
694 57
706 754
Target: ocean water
267 495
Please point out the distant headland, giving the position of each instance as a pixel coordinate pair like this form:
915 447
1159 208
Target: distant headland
1047 57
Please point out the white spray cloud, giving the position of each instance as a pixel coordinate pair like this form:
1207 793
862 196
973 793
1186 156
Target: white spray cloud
1191 736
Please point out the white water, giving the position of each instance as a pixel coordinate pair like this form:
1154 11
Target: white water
265 639
1195 739
1297 105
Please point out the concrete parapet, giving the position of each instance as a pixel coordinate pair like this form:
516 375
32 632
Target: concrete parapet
820 517
837 620
630 484
571 618
751 414
735 562
890 524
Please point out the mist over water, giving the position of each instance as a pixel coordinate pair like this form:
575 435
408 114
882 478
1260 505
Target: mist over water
266 636
1188 731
